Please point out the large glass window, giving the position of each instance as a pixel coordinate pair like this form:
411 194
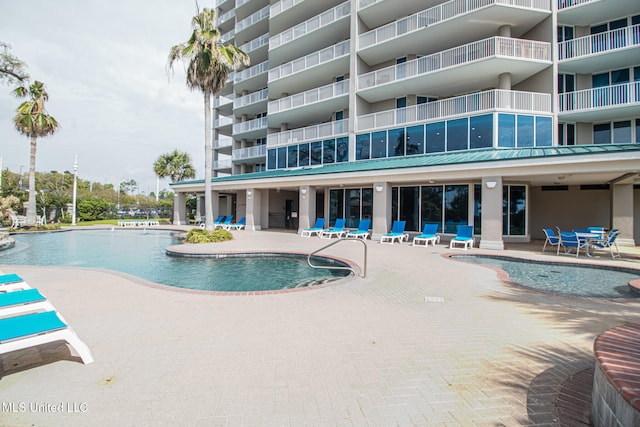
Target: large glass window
352 204
506 130
410 207
456 207
622 132
342 149
363 146
457 135
415 139
637 130
367 203
481 131
435 137
396 142
525 131
477 208
514 201
431 209
543 131
282 157
379 144
271 159
316 153
303 155
292 156
336 205
602 133
329 151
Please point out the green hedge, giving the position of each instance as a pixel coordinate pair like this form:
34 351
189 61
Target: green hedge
197 235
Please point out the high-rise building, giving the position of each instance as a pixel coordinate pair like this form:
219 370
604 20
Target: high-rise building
508 115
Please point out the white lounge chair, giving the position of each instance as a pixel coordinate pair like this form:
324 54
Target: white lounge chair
428 236
23 301
12 282
397 233
337 230
236 225
362 232
316 229
464 237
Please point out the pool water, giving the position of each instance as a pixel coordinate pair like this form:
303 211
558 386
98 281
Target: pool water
142 253
571 279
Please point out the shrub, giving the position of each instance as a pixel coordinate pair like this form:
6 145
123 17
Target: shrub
197 235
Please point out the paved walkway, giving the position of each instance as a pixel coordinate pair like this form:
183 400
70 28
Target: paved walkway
422 340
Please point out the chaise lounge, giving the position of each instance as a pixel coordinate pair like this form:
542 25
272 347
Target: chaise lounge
397 233
316 229
362 232
428 236
337 230
464 237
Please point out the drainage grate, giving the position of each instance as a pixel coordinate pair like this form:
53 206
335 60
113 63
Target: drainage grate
433 299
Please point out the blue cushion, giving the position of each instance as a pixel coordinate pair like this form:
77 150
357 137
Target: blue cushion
10 278
29 324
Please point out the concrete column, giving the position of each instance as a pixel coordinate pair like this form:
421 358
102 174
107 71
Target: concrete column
381 222
254 211
504 31
491 237
622 213
504 81
215 204
307 210
180 209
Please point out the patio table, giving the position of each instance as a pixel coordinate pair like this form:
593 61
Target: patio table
589 238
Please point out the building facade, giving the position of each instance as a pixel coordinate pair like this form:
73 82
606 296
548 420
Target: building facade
508 115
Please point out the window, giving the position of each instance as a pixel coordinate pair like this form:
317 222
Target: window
435 137
637 130
514 201
566 134
602 133
543 131
379 144
401 110
477 208
396 142
566 83
506 130
525 131
352 204
457 134
271 159
481 131
336 205
316 153
329 151
456 207
363 143
342 149
415 140
431 205
292 156
303 155
622 132
282 157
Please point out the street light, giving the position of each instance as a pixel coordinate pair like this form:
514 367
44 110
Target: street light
75 184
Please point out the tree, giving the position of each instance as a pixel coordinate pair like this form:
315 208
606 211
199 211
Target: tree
128 187
176 165
12 70
33 121
209 65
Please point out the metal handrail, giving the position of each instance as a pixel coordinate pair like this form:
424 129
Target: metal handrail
364 269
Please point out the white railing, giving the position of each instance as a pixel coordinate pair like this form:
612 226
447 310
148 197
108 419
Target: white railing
255 43
241 2
283 5
226 16
251 98
227 36
309 97
309 61
252 19
250 125
310 25
249 153
261 68
223 100
494 46
607 96
323 130
563 4
601 42
365 3
223 121
223 142
487 101
439 14
222 164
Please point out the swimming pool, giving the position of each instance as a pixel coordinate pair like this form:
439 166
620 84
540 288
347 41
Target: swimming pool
564 278
142 253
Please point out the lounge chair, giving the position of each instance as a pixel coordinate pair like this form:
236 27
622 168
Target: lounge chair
552 238
568 240
27 300
223 224
428 236
464 237
11 282
362 232
397 233
316 229
608 243
236 225
29 330
337 230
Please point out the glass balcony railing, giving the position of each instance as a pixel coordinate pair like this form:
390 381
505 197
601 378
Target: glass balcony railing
223 121
309 61
439 14
283 5
601 42
323 130
220 100
255 43
227 36
494 46
225 17
222 142
473 103
318 21
252 19
249 153
250 125
309 97
222 164
251 98
600 97
365 3
250 72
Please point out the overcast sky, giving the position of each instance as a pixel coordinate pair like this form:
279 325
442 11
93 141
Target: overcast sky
103 64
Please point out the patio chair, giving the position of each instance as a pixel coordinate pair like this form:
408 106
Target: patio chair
30 330
608 243
568 240
236 225
337 230
316 229
12 282
223 224
397 233
362 232
464 237
428 236
552 238
27 300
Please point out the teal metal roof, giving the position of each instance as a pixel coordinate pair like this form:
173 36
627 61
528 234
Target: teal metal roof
435 159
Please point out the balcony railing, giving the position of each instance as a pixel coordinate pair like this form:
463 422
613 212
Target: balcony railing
494 46
227 16
251 98
364 3
309 61
436 15
222 164
310 25
250 125
227 36
309 97
323 130
249 153
491 100
255 43
261 68
607 96
601 42
223 121
252 19
563 4
283 5
220 100
223 142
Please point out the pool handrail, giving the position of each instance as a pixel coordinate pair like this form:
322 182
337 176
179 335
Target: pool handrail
341 239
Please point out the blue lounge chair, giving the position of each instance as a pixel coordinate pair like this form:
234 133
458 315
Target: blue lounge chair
397 233
22 301
29 330
464 237
362 232
552 238
225 223
11 282
337 230
609 243
236 225
428 236
316 229
568 240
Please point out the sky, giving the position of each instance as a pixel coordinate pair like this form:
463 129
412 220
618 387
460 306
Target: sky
103 63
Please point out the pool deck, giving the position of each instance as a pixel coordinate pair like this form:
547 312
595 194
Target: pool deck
422 340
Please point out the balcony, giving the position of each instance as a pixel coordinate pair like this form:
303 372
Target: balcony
251 129
285 13
481 102
448 71
609 50
602 103
252 78
228 36
587 12
224 103
448 24
251 103
309 133
226 20
302 108
222 164
222 121
253 47
250 154
223 144
253 25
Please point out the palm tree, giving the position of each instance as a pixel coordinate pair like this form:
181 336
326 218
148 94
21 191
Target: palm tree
175 165
209 65
32 120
